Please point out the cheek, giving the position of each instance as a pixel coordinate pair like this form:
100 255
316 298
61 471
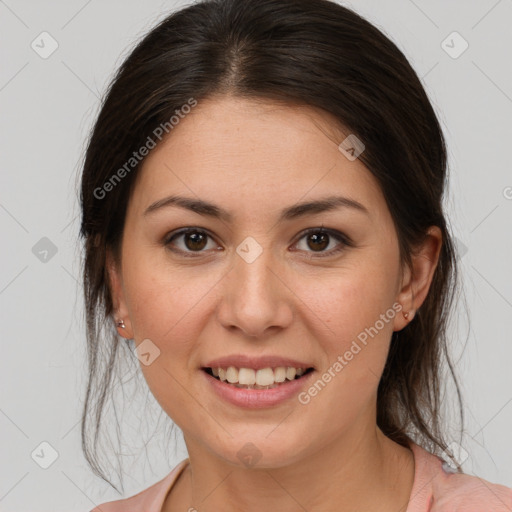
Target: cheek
345 320
163 308
167 305
350 312
349 300
159 298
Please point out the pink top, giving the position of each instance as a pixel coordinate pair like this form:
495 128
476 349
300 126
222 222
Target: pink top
435 489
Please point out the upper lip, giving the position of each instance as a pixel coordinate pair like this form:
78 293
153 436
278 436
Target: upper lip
243 361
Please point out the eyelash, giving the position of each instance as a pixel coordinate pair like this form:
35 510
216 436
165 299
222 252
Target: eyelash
344 240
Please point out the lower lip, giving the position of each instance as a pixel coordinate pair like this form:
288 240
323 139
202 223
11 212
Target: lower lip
257 398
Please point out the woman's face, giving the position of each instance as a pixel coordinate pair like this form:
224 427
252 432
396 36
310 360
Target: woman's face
256 284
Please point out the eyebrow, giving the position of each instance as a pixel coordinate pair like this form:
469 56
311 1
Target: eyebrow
208 209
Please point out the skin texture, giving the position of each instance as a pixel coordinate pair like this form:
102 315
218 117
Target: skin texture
254 158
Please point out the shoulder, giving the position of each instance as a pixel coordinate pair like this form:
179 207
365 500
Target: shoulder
447 491
469 493
147 500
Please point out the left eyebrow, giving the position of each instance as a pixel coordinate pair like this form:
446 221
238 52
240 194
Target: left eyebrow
208 209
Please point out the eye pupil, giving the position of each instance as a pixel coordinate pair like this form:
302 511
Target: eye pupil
316 239
196 238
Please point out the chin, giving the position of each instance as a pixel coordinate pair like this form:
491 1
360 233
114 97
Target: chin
262 451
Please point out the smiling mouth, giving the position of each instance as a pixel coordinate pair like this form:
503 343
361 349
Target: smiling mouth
265 378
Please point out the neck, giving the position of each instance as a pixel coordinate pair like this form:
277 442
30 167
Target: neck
364 471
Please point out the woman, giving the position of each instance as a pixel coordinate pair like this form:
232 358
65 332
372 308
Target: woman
262 216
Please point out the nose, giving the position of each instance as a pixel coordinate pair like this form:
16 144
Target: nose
255 298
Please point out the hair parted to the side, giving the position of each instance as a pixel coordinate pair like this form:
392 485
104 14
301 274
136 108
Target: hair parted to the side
302 52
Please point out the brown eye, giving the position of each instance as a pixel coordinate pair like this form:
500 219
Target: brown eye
192 240
195 241
318 239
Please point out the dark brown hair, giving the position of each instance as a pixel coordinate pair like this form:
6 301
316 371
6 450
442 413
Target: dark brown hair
305 52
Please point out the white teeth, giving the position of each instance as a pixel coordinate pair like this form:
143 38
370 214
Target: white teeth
260 378
232 374
280 374
247 376
264 377
290 373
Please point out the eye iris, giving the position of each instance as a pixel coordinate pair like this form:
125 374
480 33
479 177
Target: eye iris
315 237
196 238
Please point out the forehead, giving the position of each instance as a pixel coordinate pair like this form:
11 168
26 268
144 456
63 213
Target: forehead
243 153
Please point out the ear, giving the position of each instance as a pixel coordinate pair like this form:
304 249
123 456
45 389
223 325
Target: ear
118 297
416 283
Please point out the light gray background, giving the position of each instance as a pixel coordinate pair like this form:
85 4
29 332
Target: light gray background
47 108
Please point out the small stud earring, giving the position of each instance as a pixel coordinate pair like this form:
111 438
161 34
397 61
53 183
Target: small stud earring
406 315
120 323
